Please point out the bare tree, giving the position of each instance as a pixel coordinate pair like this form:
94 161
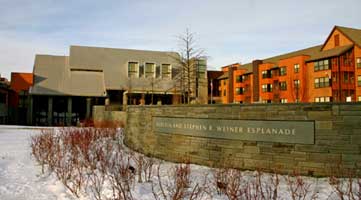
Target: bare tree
188 58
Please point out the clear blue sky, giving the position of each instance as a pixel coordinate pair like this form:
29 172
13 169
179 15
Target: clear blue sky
230 31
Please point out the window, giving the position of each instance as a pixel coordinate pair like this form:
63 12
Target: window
322 65
239 79
322 82
2 98
296 83
245 77
157 71
317 83
322 99
133 69
283 85
283 100
296 68
224 93
345 77
264 74
358 62
358 80
283 71
359 98
337 40
267 88
141 71
240 91
202 68
166 71
264 88
267 74
149 70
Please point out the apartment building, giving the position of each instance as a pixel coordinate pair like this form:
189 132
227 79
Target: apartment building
329 72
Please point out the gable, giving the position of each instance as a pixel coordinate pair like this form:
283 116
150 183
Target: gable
331 42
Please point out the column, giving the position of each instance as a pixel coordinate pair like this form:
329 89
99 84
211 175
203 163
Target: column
125 100
68 114
50 111
88 108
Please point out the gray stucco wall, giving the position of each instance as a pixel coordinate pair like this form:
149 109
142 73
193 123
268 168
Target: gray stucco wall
114 63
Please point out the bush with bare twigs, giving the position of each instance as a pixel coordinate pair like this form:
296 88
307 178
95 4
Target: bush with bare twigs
346 188
178 184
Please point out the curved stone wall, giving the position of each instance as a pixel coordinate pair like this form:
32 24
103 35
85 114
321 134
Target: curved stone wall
336 144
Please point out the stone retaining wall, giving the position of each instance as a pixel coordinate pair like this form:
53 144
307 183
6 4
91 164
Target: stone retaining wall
101 116
337 138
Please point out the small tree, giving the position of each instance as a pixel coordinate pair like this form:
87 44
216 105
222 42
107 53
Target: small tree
188 58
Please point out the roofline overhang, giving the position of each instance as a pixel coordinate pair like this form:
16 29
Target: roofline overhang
334 28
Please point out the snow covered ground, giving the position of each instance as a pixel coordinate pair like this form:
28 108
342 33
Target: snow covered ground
21 177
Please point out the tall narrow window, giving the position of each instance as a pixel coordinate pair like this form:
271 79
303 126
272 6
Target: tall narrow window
264 88
337 40
133 69
157 71
202 68
297 83
317 83
283 71
149 70
283 85
345 77
358 62
264 74
297 68
166 69
358 80
141 71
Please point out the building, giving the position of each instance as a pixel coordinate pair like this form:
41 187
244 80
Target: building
330 72
5 92
18 102
214 95
66 87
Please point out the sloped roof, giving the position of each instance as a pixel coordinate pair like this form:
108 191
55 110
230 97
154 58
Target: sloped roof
315 51
214 74
248 67
329 53
351 33
308 51
224 76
